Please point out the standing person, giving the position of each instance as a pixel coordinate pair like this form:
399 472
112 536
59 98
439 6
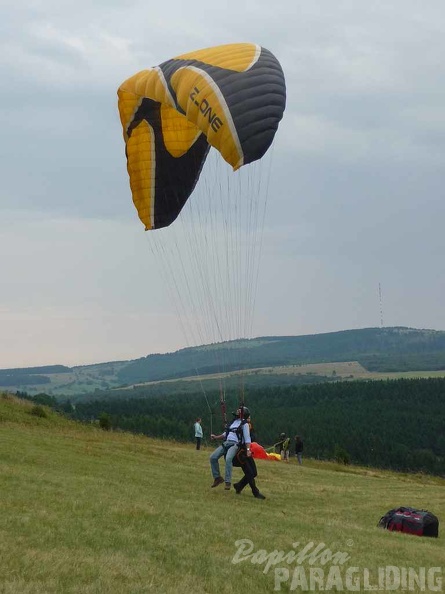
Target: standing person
252 430
299 449
237 431
282 447
198 433
249 469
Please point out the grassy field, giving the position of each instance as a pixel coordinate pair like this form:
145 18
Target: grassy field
87 511
342 370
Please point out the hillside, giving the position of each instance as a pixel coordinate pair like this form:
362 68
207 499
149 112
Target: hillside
352 354
84 510
394 424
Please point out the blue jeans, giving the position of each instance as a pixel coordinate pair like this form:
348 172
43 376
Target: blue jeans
231 447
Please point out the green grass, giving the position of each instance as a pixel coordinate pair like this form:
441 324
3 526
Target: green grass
87 511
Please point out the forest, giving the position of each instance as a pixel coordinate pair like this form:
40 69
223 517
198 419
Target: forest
394 424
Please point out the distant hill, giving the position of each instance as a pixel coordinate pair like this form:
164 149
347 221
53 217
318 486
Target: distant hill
368 352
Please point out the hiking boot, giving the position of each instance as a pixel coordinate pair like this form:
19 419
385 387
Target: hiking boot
259 495
237 488
217 481
227 486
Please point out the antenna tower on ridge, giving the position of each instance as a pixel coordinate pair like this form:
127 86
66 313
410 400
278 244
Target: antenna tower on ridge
381 305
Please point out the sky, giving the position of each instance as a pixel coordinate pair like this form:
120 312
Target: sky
353 232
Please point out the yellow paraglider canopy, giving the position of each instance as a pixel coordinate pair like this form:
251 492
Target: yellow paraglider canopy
231 97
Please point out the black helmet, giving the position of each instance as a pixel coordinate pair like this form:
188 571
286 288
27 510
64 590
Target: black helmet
246 412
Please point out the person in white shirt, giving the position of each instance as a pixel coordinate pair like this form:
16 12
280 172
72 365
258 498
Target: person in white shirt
236 432
249 469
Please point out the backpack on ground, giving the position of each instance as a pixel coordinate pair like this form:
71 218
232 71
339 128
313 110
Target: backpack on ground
410 520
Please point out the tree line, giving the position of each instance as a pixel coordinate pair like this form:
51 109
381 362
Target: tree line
394 424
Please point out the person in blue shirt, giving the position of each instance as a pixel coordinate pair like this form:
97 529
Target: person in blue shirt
198 433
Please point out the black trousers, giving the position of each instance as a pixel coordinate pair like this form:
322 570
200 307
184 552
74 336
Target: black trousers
248 467
198 443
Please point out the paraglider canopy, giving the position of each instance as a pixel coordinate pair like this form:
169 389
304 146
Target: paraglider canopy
260 453
231 97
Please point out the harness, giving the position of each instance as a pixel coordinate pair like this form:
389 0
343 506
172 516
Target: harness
239 431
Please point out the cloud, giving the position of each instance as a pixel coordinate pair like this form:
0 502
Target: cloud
355 192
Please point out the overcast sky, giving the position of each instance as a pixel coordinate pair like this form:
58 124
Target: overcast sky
356 195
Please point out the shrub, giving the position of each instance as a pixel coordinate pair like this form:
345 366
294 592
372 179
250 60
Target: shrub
39 411
341 455
105 421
